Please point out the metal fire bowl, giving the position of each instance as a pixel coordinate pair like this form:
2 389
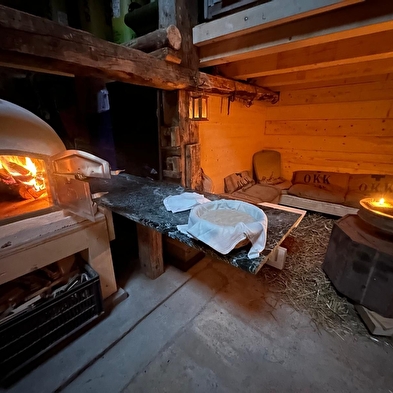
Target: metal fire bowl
381 219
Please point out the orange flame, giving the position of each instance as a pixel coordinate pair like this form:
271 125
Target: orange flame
25 170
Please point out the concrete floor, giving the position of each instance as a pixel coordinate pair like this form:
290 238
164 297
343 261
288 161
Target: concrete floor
212 329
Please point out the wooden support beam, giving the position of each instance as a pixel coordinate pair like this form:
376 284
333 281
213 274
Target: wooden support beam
374 46
161 38
183 14
30 41
339 72
193 178
150 251
262 17
219 85
363 19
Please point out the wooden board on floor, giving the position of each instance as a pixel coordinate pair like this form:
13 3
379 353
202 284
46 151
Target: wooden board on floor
376 324
333 209
288 209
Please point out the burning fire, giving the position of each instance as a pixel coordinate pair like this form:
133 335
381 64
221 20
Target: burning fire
24 174
381 201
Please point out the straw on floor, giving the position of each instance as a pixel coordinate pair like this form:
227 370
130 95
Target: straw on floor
304 285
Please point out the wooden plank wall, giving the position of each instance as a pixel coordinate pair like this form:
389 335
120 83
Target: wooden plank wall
344 128
228 142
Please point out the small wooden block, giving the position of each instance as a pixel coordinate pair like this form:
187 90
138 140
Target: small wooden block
180 255
171 174
173 164
277 258
376 324
115 299
167 54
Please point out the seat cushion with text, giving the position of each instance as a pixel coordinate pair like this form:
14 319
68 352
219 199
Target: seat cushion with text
368 186
320 186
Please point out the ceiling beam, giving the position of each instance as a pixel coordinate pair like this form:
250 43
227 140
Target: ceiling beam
358 70
343 52
262 17
359 20
27 41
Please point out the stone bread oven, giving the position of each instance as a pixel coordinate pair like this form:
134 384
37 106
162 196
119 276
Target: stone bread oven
46 209
37 173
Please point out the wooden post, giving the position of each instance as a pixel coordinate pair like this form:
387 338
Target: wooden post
193 175
184 15
150 251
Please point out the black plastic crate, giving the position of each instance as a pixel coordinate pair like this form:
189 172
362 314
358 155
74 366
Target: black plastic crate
30 334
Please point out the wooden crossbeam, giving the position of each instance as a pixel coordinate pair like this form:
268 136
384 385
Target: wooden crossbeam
31 42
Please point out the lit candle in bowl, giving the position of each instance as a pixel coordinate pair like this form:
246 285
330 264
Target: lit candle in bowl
378 205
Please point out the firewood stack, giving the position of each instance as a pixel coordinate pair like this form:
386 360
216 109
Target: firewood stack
164 44
33 288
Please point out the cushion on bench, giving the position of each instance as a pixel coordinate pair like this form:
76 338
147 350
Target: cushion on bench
241 186
368 186
237 180
321 186
267 169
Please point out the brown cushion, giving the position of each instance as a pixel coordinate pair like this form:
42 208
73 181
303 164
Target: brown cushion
364 186
352 199
372 185
324 180
258 193
333 194
237 180
267 165
282 185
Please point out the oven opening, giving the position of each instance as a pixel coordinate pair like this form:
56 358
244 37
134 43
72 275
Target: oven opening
23 186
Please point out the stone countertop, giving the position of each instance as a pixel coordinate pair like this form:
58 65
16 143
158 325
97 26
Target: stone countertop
141 200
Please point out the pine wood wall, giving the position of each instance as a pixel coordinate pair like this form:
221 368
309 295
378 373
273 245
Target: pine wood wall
229 142
345 128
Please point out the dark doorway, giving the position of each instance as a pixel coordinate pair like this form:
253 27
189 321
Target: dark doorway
135 128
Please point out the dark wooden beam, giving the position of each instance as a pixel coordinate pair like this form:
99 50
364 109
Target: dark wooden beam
27 41
219 85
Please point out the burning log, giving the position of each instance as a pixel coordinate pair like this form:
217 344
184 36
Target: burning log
21 177
21 170
6 178
29 192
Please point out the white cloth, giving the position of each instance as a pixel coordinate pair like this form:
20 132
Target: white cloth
184 201
224 238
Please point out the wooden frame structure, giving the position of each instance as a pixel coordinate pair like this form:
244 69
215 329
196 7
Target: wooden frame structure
348 42
34 43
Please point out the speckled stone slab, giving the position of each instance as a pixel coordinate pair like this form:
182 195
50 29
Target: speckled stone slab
141 200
